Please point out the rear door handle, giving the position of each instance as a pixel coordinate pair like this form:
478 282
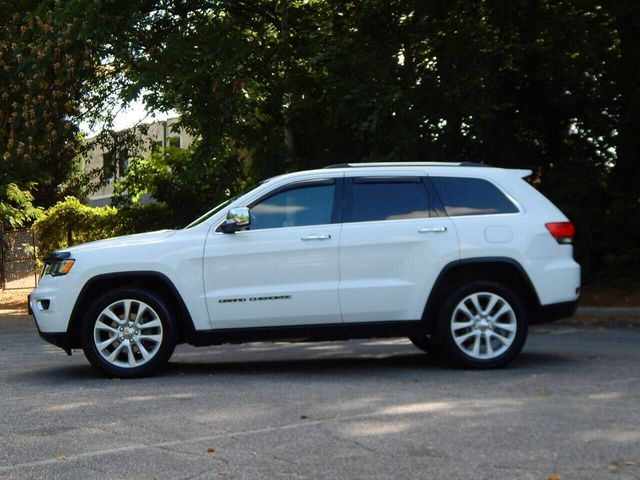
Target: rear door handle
316 237
433 230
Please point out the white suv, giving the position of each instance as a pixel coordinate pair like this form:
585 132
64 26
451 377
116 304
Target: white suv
460 258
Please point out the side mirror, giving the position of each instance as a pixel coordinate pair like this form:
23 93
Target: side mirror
237 219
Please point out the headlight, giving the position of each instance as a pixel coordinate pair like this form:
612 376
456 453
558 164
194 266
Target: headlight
57 264
59 268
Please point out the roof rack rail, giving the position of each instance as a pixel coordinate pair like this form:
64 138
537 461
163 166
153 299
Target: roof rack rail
409 164
337 165
475 164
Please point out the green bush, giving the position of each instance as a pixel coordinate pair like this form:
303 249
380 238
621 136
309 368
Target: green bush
69 222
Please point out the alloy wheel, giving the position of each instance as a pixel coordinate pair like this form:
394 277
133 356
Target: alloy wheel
483 325
128 333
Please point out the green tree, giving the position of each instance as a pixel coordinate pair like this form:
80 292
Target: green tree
269 86
169 177
41 58
55 72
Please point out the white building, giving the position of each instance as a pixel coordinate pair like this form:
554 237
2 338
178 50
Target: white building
159 134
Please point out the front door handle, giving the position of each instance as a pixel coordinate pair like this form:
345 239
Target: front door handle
433 230
316 237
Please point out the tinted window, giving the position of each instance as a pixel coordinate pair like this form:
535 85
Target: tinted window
311 205
471 196
387 199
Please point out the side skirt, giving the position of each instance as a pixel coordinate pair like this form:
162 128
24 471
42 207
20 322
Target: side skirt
305 333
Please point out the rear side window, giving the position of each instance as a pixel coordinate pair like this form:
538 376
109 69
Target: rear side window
386 198
471 196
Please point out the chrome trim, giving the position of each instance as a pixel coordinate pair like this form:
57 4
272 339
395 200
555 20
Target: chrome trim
316 237
432 230
240 216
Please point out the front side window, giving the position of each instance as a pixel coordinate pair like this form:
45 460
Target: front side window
295 207
471 196
374 199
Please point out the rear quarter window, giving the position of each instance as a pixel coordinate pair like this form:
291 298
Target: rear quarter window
471 196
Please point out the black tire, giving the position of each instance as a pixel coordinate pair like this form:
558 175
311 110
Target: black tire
158 342
492 335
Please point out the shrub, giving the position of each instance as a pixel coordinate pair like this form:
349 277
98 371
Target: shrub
69 222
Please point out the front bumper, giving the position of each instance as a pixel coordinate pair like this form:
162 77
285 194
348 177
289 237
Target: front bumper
59 339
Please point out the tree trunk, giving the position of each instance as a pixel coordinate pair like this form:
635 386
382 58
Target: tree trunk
289 137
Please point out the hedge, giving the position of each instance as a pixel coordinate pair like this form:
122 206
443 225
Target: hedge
69 222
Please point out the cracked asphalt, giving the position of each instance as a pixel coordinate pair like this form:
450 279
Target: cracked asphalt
569 406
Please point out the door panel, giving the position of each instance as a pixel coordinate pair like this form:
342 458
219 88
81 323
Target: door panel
388 267
272 277
393 246
285 270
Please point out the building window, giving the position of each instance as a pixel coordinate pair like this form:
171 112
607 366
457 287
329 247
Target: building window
173 142
123 162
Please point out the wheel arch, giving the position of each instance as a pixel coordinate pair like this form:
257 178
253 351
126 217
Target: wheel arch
155 282
503 270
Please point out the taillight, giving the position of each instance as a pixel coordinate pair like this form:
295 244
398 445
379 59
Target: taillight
563 232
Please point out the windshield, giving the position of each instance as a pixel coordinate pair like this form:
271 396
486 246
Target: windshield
216 209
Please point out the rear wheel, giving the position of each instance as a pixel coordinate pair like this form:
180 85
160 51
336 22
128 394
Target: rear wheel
128 333
482 325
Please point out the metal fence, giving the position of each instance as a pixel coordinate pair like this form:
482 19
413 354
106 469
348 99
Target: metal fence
17 259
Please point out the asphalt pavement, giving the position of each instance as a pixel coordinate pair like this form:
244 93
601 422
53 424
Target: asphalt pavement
568 406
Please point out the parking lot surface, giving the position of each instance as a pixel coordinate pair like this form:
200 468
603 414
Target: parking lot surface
568 406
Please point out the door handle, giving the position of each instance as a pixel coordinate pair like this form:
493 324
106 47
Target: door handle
433 230
316 237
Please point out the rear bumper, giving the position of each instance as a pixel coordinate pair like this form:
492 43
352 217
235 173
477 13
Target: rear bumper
555 311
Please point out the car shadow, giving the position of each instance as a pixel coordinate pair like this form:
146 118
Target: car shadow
409 363
532 360
368 366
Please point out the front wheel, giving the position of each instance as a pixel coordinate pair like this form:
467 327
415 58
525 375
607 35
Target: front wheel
482 325
128 333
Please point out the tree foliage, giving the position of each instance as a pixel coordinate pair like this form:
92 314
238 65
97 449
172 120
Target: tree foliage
55 71
16 207
41 58
269 86
168 176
